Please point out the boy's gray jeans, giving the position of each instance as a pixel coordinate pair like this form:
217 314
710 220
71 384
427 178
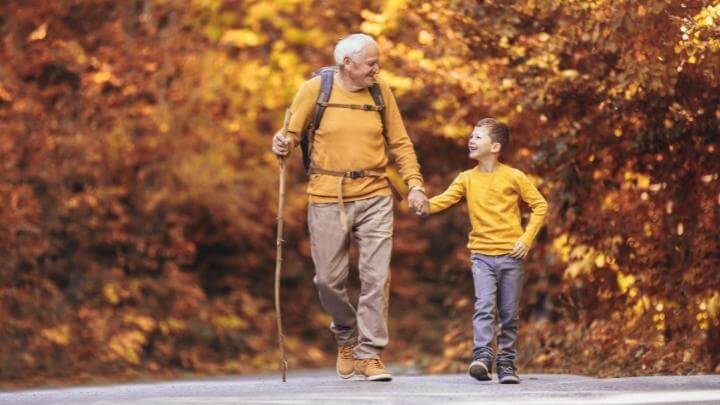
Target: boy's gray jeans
498 284
371 223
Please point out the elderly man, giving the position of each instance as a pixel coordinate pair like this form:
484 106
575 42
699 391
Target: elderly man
349 194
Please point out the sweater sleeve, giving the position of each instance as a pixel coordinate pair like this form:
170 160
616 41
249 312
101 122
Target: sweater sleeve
302 108
530 194
454 193
399 142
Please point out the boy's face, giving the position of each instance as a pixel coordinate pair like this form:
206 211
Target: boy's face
480 144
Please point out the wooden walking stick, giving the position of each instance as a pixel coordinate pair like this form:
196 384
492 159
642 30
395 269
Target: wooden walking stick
278 259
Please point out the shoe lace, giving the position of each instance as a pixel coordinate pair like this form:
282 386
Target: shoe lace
505 368
375 363
346 351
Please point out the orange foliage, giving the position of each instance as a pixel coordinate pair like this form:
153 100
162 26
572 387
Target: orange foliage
138 190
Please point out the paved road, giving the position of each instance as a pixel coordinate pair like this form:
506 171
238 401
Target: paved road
323 387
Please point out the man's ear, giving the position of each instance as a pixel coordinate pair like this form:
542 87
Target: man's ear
347 60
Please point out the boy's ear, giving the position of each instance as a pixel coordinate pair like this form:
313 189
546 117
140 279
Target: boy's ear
495 147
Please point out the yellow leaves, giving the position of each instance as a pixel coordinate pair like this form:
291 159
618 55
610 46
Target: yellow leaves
286 60
378 23
39 33
518 51
503 42
171 326
600 260
210 5
561 246
576 269
374 23
425 38
544 61
636 180
569 74
458 130
105 76
699 39
109 291
113 293
610 201
371 28
398 83
230 322
462 303
127 346
624 281
315 354
713 305
59 335
242 38
631 90
415 55
143 322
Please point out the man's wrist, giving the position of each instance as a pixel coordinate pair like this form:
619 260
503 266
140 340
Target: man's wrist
419 188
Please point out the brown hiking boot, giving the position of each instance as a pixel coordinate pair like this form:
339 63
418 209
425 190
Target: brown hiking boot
345 361
371 370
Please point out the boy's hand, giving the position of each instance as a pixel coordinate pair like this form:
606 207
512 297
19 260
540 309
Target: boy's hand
520 250
423 210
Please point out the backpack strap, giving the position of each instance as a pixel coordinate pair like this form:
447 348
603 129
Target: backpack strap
380 105
306 141
326 83
364 107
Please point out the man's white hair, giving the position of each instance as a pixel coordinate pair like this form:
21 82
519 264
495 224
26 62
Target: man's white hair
351 46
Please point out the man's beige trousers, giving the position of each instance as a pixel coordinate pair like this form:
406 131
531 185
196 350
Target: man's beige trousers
371 223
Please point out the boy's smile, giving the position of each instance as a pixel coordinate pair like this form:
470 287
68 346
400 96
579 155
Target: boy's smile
480 143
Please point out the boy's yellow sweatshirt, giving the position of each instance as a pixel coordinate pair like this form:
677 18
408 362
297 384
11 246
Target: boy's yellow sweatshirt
492 200
351 139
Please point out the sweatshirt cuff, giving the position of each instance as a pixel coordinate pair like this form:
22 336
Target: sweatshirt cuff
294 136
414 181
526 239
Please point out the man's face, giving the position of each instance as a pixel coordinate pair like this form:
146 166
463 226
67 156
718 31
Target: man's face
480 144
363 69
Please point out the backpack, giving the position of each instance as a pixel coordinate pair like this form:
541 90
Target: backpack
326 84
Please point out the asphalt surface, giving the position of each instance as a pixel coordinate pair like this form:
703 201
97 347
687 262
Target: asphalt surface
324 387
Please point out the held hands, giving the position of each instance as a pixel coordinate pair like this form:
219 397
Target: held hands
280 145
418 201
520 250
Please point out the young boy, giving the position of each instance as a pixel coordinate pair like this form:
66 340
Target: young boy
497 242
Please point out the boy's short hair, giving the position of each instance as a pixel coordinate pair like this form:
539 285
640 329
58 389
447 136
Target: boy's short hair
498 131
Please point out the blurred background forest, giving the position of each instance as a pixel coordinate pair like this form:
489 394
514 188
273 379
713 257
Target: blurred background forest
138 191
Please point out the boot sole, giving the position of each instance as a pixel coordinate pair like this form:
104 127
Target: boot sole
479 371
379 377
345 376
509 380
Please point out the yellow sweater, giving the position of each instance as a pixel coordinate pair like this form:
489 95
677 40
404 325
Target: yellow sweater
492 200
350 139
